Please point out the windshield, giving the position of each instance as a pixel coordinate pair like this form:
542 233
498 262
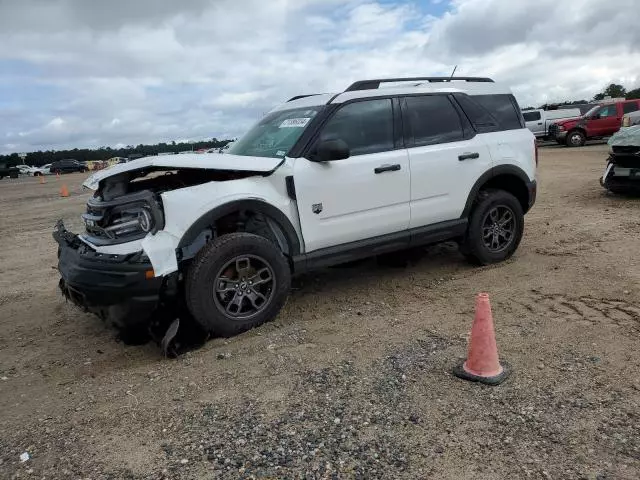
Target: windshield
275 134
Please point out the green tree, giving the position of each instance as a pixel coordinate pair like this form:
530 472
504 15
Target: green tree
635 93
614 91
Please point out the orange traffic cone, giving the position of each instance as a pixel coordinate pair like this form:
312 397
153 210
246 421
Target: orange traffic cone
57 175
64 191
42 182
482 363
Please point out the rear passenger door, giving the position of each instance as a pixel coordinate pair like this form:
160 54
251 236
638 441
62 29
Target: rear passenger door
445 156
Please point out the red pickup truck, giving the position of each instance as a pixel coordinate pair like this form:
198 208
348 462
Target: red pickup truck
603 120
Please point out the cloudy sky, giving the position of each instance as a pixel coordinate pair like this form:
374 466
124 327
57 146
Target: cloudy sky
86 73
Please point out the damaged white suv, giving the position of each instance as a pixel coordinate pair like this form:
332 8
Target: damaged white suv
320 180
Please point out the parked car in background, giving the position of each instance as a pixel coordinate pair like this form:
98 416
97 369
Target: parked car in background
622 173
603 120
539 121
631 119
43 170
68 166
25 169
7 170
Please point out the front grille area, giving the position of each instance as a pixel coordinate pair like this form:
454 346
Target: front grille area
626 149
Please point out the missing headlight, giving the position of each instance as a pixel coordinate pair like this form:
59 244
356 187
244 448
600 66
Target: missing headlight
127 218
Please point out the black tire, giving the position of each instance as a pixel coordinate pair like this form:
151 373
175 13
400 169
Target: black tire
37 174
576 138
473 245
204 277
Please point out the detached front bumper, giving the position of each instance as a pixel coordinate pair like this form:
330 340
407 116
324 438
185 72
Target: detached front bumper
119 288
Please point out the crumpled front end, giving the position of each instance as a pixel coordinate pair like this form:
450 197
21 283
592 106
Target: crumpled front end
120 289
623 165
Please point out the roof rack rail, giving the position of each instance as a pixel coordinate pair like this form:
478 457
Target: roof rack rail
374 84
298 97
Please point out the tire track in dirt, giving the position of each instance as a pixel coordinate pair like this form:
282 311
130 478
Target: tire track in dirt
585 310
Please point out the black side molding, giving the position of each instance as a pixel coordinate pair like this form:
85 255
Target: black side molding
370 247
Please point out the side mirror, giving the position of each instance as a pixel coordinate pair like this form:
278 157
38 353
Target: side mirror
329 150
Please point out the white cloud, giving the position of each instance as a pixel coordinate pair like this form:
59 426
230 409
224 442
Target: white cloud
157 70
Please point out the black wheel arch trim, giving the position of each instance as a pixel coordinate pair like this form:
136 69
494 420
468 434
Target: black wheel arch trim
255 205
492 173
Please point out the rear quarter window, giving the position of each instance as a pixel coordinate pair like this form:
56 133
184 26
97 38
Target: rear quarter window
504 108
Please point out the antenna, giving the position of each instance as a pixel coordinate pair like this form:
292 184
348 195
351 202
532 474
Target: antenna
454 71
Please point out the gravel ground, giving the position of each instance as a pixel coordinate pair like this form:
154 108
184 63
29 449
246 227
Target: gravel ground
353 380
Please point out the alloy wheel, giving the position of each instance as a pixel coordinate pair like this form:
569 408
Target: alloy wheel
244 287
498 228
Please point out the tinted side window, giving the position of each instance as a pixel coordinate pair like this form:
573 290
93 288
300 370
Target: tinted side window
531 116
630 107
503 108
481 119
433 119
366 126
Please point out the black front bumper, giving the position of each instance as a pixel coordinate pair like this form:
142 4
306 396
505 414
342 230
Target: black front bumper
115 287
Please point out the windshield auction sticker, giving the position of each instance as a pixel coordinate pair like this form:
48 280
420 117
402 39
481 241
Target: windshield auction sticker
294 122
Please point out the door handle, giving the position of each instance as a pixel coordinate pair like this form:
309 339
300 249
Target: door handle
468 156
540 123
387 168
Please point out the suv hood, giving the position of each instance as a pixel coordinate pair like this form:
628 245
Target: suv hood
212 161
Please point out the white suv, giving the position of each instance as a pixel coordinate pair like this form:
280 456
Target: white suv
321 180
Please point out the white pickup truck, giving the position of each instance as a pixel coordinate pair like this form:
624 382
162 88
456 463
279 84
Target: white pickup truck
538 121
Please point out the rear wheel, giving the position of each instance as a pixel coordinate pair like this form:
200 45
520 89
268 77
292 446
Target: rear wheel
495 228
237 282
576 138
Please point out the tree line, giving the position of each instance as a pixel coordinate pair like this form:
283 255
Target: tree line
39 158
614 91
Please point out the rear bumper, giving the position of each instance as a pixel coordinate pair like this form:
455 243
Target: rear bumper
115 287
625 176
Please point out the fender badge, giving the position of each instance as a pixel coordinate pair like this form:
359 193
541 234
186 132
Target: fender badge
316 208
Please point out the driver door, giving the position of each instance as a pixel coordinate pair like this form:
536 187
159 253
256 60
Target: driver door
361 197
605 122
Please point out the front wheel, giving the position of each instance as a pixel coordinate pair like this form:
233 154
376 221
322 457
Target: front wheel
495 228
576 138
237 282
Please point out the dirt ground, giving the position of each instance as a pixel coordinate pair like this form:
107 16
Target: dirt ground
353 380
